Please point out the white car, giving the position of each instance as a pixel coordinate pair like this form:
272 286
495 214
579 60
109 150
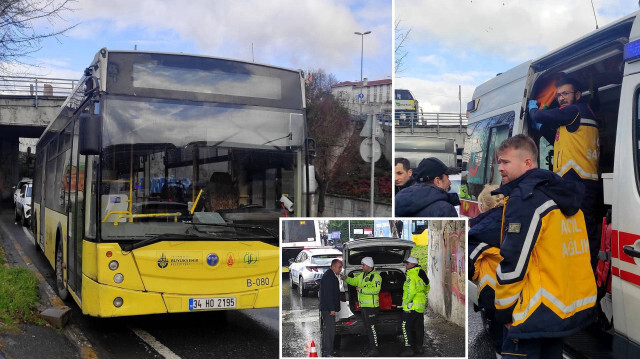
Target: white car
18 188
306 270
23 205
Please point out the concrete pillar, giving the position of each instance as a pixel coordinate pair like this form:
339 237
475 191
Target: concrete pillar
9 167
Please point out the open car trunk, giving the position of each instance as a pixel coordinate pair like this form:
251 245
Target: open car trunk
390 297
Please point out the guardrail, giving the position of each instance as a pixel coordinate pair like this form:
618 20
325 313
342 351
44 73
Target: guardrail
429 119
36 86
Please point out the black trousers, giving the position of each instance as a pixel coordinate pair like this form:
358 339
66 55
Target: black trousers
329 333
370 319
413 328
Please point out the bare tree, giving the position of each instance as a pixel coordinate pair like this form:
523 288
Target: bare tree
19 20
330 127
401 52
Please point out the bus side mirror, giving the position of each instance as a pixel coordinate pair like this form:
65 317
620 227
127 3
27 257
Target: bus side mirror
90 136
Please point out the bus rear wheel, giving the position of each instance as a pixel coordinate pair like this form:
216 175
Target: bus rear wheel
63 292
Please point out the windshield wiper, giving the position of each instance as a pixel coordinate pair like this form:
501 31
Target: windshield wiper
168 237
236 226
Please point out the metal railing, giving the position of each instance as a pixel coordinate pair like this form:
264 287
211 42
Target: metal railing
430 119
36 86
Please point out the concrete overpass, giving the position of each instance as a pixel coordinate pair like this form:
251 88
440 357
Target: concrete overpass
432 124
27 106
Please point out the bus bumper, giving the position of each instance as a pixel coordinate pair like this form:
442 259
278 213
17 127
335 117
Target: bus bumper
99 300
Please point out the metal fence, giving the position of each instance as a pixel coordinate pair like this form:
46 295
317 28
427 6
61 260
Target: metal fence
35 86
429 119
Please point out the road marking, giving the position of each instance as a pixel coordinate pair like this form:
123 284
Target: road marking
71 331
156 345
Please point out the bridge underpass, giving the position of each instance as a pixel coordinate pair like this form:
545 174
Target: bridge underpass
27 106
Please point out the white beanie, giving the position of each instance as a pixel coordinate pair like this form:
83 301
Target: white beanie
413 260
368 261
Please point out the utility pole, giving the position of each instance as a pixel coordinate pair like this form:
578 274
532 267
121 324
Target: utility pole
361 97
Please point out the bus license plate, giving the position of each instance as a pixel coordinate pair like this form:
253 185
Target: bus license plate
212 303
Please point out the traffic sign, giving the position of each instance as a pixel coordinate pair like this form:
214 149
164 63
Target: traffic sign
361 96
366 130
365 150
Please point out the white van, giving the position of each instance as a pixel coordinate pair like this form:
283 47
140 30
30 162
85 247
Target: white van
606 62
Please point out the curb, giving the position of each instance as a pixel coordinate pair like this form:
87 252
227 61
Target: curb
71 331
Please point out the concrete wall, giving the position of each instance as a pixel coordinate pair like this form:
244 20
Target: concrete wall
20 111
336 206
447 269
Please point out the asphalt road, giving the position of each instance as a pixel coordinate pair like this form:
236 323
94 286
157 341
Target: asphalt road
301 325
224 334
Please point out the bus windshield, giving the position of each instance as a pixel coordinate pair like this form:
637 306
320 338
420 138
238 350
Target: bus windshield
229 163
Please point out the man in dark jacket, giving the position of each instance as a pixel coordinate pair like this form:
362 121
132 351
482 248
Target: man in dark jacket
329 305
545 287
428 197
403 174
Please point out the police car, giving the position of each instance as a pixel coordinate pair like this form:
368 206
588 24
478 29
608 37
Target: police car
306 270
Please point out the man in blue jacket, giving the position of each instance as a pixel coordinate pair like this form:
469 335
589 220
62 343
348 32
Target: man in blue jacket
545 287
329 305
429 197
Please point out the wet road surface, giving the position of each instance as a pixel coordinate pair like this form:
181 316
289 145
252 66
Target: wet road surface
301 325
224 334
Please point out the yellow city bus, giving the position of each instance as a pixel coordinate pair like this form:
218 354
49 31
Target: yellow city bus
159 186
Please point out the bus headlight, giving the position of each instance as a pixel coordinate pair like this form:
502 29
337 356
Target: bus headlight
118 278
113 265
118 302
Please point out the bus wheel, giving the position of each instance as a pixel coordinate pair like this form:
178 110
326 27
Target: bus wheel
35 235
63 292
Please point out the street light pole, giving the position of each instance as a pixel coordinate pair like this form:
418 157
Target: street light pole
371 204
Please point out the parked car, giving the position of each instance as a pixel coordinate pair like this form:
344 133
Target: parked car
388 256
23 205
17 188
306 270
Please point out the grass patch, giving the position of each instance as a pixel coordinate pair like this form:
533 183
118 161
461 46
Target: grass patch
19 295
422 254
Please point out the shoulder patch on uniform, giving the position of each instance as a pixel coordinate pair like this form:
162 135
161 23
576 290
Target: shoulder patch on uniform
514 228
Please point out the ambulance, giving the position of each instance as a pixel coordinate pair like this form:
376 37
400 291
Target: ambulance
607 64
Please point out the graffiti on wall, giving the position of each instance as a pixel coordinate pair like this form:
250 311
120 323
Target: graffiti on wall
447 256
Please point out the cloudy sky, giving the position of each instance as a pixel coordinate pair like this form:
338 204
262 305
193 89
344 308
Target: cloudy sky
466 42
308 34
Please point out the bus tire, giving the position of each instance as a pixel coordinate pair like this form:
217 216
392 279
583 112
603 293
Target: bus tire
35 235
63 292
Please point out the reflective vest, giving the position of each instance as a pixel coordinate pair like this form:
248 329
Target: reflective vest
414 291
369 284
555 293
577 150
485 265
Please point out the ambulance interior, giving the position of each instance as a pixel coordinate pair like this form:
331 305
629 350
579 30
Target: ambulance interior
598 65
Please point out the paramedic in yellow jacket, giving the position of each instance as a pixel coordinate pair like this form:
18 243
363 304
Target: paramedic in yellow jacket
573 130
546 289
368 283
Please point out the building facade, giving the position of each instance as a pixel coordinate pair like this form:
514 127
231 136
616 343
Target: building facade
377 99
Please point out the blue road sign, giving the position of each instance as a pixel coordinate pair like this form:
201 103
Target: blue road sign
361 96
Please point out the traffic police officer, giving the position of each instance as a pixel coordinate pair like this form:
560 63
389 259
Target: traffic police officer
367 285
414 302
